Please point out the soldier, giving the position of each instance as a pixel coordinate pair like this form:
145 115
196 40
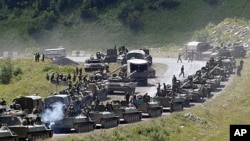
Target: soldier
164 87
80 71
97 102
42 56
146 98
47 77
3 102
182 71
74 77
241 63
174 83
239 70
179 58
127 97
69 77
77 70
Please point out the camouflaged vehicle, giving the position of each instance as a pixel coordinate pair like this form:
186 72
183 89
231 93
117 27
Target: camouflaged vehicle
149 107
26 128
117 84
73 123
103 118
7 135
127 112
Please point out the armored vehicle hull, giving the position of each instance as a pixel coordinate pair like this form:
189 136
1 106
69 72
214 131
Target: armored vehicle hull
76 124
175 104
7 135
25 129
153 109
105 119
127 113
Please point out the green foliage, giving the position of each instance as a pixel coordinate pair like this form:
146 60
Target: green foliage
6 71
17 71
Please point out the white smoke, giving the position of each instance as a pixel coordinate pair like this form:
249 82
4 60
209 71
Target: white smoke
53 114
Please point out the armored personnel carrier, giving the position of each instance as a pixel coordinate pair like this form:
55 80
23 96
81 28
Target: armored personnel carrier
149 107
7 135
167 99
26 129
69 114
127 112
72 123
119 84
104 118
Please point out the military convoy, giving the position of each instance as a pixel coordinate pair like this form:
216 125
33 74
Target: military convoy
31 118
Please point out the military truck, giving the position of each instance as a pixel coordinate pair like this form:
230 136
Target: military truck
111 55
144 55
26 128
137 69
127 112
195 49
30 103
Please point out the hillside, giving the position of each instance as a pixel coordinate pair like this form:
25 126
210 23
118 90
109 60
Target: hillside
91 24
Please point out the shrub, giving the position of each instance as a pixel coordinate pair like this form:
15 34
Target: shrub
17 71
6 72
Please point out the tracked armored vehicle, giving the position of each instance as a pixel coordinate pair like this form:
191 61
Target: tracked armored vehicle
147 106
167 99
118 84
127 112
104 118
137 70
94 64
78 124
26 129
7 135
69 117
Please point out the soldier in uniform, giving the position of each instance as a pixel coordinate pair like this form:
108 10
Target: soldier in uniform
179 58
127 97
97 102
182 71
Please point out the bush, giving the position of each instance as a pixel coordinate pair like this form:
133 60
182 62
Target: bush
17 71
6 72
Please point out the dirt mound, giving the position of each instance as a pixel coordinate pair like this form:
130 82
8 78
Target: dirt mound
64 62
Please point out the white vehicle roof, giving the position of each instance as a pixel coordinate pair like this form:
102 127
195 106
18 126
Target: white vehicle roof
60 48
137 51
137 61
